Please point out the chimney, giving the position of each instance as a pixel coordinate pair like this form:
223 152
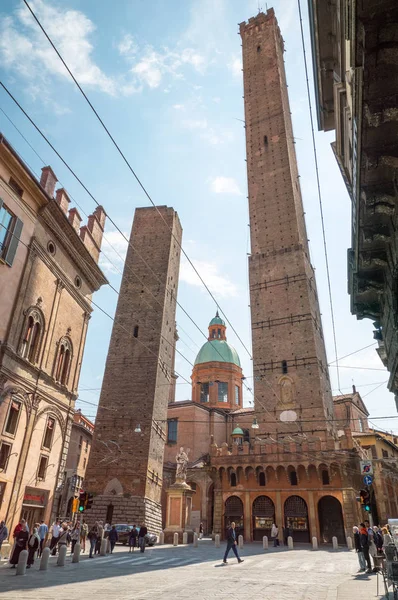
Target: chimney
48 180
62 198
75 219
91 234
354 389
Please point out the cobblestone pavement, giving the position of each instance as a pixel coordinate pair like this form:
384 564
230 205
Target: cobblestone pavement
174 573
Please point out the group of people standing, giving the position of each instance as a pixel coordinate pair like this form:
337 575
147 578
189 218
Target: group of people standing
137 537
370 542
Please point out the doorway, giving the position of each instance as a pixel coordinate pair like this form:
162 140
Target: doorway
296 518
234 512
331 521
263 514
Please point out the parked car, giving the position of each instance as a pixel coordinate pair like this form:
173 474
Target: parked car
123 532
151 539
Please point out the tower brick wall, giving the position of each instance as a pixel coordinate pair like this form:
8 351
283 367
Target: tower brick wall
125 468
290 366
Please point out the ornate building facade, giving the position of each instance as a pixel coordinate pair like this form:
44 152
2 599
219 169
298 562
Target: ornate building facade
48 273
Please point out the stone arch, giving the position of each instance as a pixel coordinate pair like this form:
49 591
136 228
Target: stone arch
280 473
324 474
296 518
263 514
239 475
32 334
270 474
313 474
54 412
233 511
331 522
292 475
113 487
63 360
302 473
21 395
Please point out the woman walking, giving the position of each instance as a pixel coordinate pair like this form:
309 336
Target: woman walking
275 534
33 546
93 537
75 536
83 535
133 539
21 539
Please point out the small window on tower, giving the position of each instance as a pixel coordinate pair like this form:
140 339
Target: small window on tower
265 140
135 334
219 332
258 48
284 367
261 479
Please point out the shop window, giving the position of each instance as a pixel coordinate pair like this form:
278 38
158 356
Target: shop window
222 391
261 479
237 394
325 477
233 480
172 425
10 232
293 478
13 416
5 451
384 453
49 433
41 472
204 392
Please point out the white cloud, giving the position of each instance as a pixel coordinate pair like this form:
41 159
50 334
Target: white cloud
127 46
218 284
114 249
235 66
24 49
225 185
179 106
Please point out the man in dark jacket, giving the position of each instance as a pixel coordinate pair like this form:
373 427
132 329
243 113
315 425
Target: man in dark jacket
141 537
231 544
364 542
113 537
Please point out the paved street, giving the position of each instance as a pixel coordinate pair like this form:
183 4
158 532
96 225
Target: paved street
175 573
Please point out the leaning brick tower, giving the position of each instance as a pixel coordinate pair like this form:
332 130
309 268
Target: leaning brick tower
125 467
291 379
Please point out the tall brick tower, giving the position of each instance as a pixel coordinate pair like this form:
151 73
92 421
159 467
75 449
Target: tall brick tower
291 379
125 467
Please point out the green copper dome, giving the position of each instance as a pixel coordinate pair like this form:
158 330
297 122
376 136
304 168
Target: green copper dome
217 351
237 431
217 320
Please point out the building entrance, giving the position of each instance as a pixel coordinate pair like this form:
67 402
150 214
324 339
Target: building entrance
296 518
34 506
234 512
263 514
331 520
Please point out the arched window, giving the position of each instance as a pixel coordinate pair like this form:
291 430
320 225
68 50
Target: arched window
261 479
32 334
325 477
63 361
233 480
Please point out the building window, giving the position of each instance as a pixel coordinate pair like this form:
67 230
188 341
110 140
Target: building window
284 367
135 334
49 433
233 479
204 392
41 472
84 462
13 415
261 479
360 425
265 141
384 453
293 478
86 448
325 477
5 451
219 333
10 232
32 336
17 188
80 441
236 394
222 391
63 361
172 431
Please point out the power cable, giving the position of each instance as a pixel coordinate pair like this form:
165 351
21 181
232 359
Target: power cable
355 352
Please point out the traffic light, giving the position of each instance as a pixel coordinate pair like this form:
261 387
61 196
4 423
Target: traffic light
75 505
82 501
365 500
89 501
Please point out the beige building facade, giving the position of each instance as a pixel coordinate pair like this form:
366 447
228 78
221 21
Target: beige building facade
48 273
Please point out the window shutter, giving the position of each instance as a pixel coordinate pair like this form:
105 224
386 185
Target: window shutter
13 245
1 203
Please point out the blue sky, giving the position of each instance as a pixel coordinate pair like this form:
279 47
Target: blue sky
166 77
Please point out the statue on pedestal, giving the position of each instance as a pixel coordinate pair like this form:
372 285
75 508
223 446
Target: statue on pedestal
182 463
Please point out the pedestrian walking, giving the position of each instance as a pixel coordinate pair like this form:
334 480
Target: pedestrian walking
231 544
387 537
55 531
99 538
33 545
75 536
113 537
63 538
141 537
83 535
359 549
133 538
364 541
21 539
275 535
43 533
3 532
201 531
19 528
92 537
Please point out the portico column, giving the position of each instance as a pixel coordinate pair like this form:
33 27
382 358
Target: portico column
278 513
312 516
247 518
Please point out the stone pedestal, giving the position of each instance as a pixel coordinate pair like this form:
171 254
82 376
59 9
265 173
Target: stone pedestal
178 514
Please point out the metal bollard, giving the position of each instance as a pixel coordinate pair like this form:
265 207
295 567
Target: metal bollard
195 540
104 543
44 559
335 543
290 542
240 541
175 539
161 538
349 543
265 542
185 538
76 553
61 555
314 543
217 540
22 560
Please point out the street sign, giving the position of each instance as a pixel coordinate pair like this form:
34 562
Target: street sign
366 467
368 480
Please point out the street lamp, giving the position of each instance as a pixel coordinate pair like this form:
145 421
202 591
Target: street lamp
255 424
137 428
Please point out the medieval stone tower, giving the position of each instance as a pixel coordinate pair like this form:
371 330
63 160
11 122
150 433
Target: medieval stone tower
125 467
291 381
